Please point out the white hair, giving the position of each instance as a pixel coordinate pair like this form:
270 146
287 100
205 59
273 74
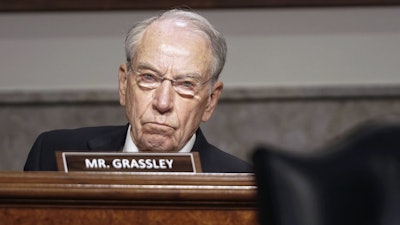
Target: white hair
196 22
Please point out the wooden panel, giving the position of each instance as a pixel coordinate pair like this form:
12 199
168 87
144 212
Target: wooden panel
27 216
103 198
41 5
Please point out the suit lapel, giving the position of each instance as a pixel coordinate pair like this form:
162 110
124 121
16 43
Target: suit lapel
111 140
200 143
209 160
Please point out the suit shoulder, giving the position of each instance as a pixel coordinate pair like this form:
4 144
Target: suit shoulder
77 135
81 131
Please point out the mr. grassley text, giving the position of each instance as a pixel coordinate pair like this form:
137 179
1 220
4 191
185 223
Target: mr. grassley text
130 163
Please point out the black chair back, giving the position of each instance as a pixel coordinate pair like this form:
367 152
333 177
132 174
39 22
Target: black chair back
354 182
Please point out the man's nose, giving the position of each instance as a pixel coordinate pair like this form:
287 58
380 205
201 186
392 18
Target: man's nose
164 95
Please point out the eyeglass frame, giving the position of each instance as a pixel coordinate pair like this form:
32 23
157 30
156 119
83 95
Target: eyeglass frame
160 79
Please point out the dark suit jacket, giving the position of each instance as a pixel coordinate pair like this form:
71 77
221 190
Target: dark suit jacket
112 138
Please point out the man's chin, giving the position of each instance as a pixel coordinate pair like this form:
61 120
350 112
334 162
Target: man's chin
158 143
158 149
155 150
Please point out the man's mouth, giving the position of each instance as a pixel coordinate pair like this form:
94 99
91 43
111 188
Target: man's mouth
158 128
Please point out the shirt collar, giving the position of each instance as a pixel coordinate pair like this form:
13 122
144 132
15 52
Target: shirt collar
130 146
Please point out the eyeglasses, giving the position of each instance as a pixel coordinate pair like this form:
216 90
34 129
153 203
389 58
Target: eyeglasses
187 86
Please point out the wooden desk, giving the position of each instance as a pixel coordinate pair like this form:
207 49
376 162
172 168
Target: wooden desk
101 198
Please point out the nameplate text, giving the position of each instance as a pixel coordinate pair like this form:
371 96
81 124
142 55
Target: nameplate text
128 162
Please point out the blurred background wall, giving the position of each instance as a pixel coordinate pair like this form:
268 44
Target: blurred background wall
295 77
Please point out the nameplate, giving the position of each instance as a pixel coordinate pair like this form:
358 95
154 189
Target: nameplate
128 162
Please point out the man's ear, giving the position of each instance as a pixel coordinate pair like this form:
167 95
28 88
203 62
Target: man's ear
213 100
123 82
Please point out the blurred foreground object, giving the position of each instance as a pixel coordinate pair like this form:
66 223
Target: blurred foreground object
354 181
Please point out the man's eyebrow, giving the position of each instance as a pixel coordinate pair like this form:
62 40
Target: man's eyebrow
147 66
196 76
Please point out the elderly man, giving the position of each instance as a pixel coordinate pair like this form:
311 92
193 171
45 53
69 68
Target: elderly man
168 86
